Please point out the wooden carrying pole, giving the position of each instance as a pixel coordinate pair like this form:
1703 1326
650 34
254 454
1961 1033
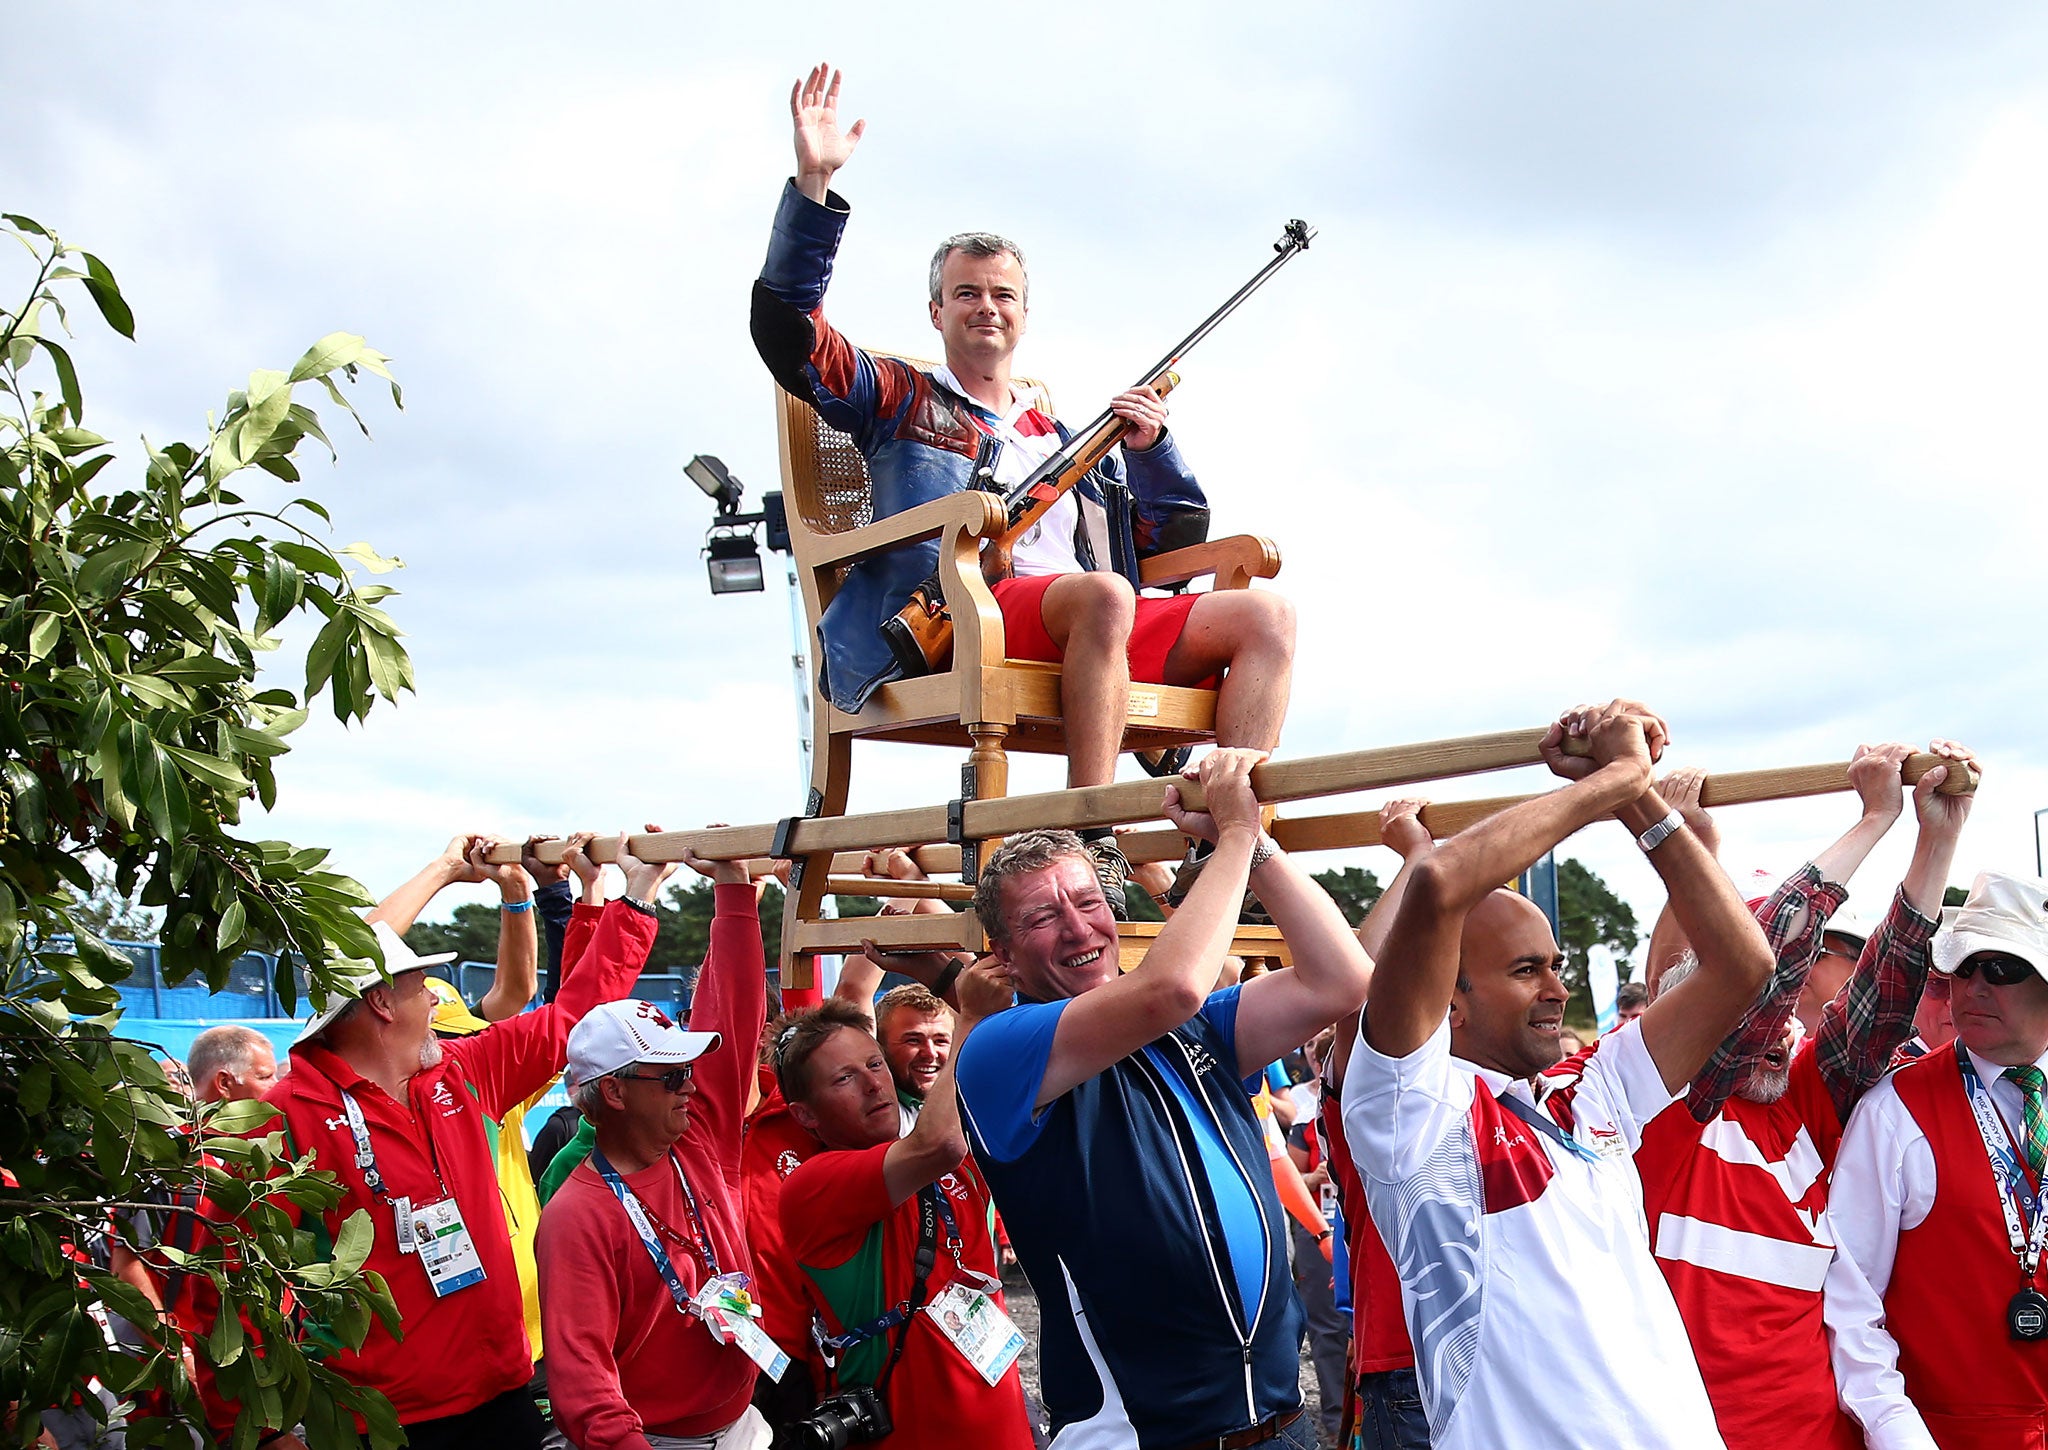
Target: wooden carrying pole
1137 801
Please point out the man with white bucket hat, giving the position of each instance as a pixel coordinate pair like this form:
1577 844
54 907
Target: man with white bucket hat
645 1290
398 1116
1937 1307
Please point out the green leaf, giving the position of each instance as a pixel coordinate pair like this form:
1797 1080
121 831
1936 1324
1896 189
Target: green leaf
327 648
375 562
154 693
67 377
211 769
352 1244
199 669
234 925
30 813
42 636
22 223
270 400
337 349
283 587
106 292
240 1118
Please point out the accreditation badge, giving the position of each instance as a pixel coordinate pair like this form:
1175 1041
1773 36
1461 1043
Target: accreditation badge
975 1325
728 1310
446 1251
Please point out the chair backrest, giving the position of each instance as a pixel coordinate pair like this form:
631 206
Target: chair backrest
824 478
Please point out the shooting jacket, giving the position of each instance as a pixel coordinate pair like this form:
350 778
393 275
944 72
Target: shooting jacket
920 440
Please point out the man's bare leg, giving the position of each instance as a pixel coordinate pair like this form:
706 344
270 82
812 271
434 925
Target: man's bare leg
1089 617
1250 634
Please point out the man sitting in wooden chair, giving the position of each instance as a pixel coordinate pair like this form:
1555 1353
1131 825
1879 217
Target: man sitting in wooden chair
1072 598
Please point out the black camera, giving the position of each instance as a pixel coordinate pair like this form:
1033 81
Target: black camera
854 1417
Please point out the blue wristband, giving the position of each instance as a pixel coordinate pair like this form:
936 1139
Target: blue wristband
516 906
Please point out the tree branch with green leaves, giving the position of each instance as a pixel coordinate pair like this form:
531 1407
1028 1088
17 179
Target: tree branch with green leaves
137 723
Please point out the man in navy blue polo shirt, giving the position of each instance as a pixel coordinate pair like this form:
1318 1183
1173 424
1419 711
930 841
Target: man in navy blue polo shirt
1110 1117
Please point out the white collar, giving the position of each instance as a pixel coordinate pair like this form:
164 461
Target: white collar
1989 1072
1021 399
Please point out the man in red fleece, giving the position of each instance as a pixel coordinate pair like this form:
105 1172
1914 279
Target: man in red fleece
398 1117
642 1251
892 1235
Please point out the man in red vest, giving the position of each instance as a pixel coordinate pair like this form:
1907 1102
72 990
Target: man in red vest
1935 1304
1735 1175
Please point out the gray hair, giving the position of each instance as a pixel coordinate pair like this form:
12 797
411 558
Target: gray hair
1688 962
1020 855
588 1096
227 1046
977 244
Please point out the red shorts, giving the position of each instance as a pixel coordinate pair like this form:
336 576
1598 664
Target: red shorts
1154 633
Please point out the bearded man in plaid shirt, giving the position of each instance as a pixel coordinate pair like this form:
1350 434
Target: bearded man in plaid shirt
1735 1174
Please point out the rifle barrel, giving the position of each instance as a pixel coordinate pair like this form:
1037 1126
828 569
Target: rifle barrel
1295 238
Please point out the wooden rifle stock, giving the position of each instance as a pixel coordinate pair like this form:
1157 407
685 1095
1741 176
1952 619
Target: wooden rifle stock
920 634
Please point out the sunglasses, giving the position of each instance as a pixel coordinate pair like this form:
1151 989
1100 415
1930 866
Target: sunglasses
2001 969
671 1081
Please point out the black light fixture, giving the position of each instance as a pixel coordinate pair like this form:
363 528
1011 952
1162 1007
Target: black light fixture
717 482
734 561
732 552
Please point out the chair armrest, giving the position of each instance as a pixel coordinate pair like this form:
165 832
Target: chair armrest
975 512
1235 562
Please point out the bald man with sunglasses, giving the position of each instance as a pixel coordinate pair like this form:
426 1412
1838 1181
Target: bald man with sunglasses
1937 1306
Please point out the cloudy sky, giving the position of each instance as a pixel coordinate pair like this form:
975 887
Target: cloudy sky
1690 353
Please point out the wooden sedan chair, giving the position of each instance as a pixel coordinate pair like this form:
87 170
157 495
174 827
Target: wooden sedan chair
986 703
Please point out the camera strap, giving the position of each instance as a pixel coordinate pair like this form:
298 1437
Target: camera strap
899 1316
928 1206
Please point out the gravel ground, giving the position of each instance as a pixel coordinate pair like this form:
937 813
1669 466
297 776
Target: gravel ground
1023 1306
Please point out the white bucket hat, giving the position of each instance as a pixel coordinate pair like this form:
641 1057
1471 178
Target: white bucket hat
613 1035
2002 914
363 975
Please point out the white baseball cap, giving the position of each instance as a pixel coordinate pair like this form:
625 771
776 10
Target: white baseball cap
1852 923
364 974
2001 914
613 1035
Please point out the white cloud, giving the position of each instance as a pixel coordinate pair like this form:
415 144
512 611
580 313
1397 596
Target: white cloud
1687 356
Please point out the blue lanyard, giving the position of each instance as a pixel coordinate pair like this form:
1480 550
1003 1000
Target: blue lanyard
1539 1120
642 1223
2017 1199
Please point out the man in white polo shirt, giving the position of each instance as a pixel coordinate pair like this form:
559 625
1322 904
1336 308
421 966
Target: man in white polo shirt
1508 1196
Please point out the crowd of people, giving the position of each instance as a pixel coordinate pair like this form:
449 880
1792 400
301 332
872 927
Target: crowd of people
1795 1191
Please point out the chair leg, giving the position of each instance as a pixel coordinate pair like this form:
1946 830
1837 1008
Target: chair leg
991 765
831 772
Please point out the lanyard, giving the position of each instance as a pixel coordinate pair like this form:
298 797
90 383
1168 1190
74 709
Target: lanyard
366 1156
931 1206
1539 1120
643 1225
2008 1178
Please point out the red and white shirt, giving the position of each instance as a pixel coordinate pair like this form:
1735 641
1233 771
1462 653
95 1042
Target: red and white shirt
1029 437
1535 1308
1738 1221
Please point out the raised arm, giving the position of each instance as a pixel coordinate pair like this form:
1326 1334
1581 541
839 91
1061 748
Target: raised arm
1681 788
518 974
1412 991
1682 1027
1401 830
1106 1025
403 906
1793 922
1279 1011
1873 1012
936 1143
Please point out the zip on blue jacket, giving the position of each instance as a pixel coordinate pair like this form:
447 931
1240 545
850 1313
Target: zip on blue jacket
920 440
1141 1205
